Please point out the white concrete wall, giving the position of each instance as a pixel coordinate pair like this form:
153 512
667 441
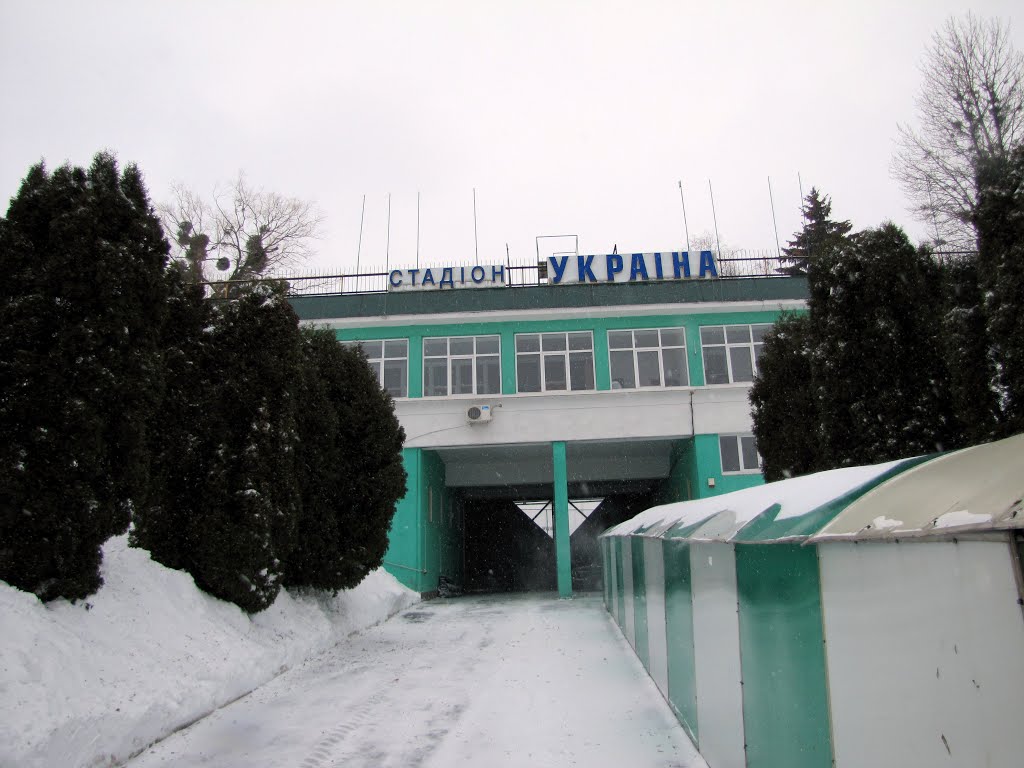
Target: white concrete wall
575 416
654 574
925 645
716 641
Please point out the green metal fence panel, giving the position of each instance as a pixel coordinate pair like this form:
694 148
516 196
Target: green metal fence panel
640 601
682 674
619 586
782 651
606 573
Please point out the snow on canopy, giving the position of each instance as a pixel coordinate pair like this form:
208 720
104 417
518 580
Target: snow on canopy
979 488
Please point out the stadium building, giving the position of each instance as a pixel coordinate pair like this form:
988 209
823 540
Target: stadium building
543 403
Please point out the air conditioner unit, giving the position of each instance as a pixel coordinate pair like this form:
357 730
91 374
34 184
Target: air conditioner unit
478 413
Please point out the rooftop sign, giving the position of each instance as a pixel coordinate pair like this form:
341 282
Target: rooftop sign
563 270
439 278
630 267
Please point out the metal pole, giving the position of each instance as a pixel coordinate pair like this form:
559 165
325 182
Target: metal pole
476 245
387 246
359 249
714 216
417 229
800 182
686 227
778 250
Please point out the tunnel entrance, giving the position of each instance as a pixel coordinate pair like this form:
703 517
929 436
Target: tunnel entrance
505 551
509 545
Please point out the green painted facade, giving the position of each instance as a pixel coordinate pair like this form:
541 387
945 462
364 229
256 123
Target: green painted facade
682 671
426 534
425 540
782 651
640 601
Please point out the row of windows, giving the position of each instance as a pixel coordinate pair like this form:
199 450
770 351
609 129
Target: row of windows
558 362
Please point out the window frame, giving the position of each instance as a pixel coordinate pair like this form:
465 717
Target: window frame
752 347
743 470
360 344
636 364
565 353
474 356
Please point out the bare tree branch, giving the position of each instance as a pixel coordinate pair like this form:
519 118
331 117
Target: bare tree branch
971 106
242 233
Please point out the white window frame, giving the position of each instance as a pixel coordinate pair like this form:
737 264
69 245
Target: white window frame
473 356
752 346
378 362
661 358
744 469
541 353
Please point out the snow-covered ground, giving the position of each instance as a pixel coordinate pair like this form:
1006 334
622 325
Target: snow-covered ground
93 683
510 680
520 680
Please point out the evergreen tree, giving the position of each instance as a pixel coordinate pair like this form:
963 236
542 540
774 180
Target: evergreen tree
349 465
82 255
970 373
878 367
181 430
248 499
999 222
819 238
785 410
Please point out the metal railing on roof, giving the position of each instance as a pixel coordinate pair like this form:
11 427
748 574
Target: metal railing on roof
758 264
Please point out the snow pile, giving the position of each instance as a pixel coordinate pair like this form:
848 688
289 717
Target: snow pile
91 684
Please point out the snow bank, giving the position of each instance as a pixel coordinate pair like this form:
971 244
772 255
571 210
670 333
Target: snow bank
93 683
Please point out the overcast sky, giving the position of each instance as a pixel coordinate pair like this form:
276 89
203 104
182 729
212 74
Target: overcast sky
566 117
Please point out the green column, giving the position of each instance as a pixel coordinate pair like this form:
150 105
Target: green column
562 520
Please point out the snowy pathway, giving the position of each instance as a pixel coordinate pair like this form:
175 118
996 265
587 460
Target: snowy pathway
487 681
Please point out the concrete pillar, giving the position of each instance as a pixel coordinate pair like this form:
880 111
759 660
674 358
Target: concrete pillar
561 509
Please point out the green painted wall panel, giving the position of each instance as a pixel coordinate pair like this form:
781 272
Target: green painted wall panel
782 651
619 584
708 461
682 671
403 557
636 544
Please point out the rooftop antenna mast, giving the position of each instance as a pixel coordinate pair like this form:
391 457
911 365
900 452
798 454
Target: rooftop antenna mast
387 245
476 245
714 216
359 248
686 227
800 182
417 229
771 197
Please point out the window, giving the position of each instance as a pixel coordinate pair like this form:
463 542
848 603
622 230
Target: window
461 365
550 362
648 358
389 359
731 352
739 454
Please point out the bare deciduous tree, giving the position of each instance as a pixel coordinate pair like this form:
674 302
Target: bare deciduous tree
244 231
971 106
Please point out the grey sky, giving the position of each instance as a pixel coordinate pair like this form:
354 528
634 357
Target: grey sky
567 117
